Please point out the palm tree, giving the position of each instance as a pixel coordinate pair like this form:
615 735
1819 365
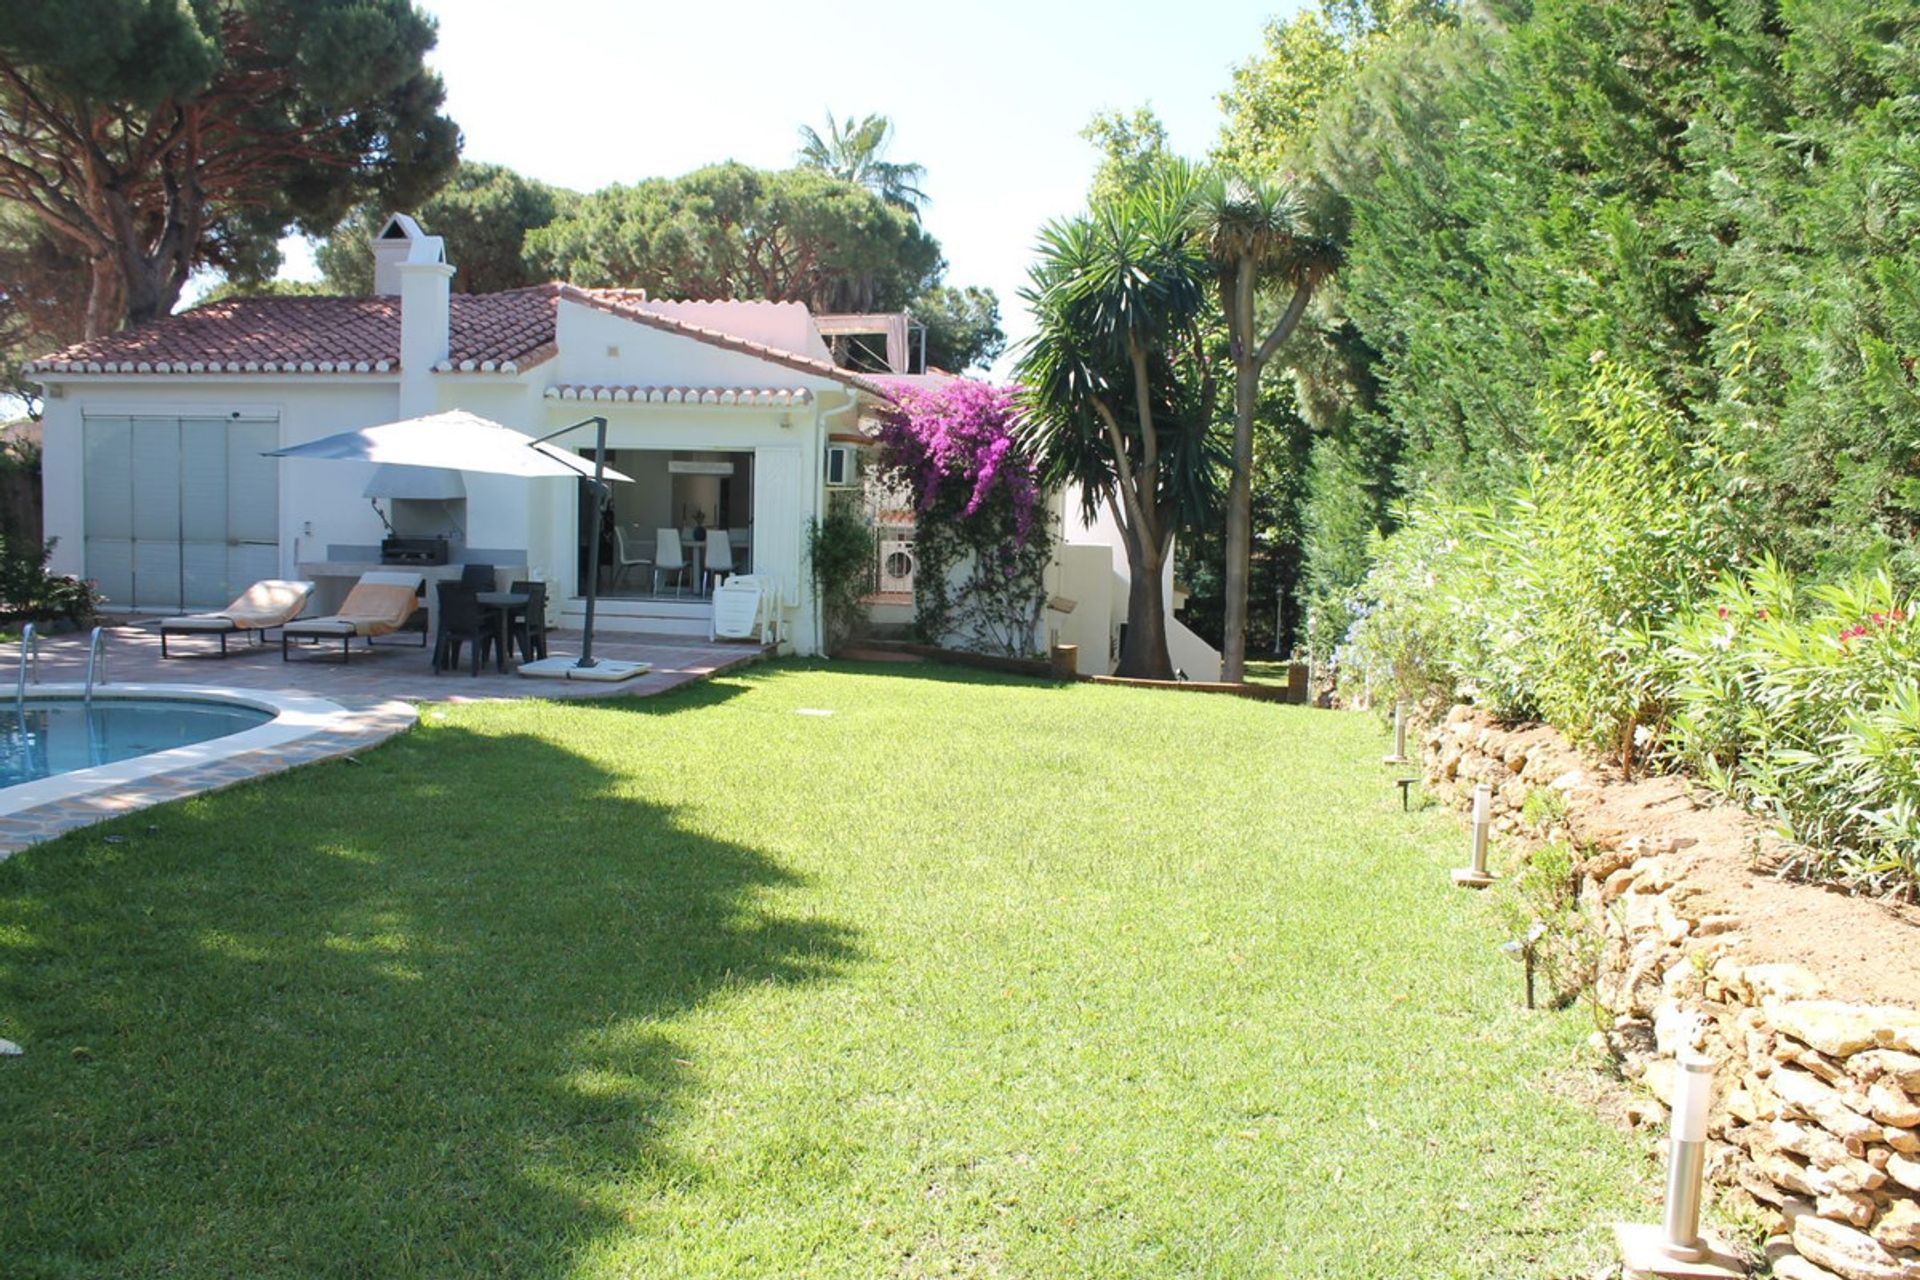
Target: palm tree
1117 389
1256 236
853 153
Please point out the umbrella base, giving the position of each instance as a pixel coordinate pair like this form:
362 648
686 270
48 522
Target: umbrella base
603 670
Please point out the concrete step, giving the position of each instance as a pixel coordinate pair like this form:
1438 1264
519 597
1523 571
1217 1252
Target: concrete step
688 617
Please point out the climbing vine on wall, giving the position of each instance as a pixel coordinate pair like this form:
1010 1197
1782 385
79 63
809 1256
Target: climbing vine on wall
980 538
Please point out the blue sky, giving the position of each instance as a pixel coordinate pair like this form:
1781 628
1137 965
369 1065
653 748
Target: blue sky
990 96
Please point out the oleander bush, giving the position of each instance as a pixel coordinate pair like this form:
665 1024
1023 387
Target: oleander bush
1803 700
1543 602
1604 596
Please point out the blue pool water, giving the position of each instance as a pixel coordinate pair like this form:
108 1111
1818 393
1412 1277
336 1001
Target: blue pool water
58 736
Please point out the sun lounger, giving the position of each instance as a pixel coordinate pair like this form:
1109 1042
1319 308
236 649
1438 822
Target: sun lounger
271 603
379 604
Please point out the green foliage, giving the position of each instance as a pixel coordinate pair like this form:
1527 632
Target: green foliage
1543 807
1282 436
729 231
1276 98
1598 598
1121 289
1542 911
1133 152
1544 601
29 593
1721 195
42 308
485 213
855 152
979 581
1805 702
1341 520
963 327
1119 383
158 138
265 289
840 551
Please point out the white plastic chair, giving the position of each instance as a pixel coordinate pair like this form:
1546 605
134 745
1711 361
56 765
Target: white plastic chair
626 554
719 558
668 557
739 609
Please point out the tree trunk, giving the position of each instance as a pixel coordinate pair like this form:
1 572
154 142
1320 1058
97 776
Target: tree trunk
1246 386
1248 363
152 285
1233 647
103 312
1143 654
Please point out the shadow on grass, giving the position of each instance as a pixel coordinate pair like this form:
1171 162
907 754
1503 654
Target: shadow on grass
412 1016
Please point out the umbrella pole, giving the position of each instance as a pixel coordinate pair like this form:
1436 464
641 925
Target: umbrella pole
600 488
601 491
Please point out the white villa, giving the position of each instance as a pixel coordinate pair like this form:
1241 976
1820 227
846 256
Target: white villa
728 416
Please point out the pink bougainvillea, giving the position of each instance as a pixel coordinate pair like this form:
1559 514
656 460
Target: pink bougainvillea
959 438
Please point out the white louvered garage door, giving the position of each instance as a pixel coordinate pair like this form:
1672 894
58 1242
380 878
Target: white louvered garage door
180 512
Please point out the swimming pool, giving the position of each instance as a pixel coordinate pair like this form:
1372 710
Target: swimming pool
161 741
45 738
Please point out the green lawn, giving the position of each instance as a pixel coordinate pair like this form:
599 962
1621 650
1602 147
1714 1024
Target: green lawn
973 977
1267 671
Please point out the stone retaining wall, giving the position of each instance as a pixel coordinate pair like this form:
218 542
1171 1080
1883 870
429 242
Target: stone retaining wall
1816 1120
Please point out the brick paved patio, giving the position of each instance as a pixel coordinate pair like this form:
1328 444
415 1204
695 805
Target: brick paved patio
375 685
392 669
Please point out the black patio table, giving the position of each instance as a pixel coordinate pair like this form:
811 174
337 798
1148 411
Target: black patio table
503 604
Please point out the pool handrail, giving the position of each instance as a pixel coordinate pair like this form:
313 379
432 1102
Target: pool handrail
96 657
29 657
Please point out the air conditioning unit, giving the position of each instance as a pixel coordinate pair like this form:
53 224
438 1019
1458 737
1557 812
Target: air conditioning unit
843 466
896 567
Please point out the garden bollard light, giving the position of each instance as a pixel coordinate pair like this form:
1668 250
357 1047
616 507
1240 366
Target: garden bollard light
1693 1095
1399 755
1475 876
1676 1247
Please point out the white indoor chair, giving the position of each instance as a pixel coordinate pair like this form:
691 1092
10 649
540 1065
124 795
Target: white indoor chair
669 557
719 564
626 553
742 540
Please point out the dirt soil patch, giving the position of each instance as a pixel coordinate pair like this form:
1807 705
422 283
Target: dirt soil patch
1868 948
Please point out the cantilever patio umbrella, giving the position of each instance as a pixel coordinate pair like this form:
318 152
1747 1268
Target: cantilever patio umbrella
462 441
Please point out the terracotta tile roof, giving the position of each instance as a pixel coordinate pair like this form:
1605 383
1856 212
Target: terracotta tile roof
248 335
488 331
505 332
515 327
682 395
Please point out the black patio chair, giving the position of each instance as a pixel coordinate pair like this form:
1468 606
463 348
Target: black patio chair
478 577
461 620
531 626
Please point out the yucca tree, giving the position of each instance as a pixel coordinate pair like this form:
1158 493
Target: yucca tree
855 152
1257 238
1117 388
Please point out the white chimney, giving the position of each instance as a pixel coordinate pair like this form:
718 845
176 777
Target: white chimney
412 264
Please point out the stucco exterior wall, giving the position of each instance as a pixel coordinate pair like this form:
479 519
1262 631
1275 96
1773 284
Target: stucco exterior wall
1078 568
321 503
